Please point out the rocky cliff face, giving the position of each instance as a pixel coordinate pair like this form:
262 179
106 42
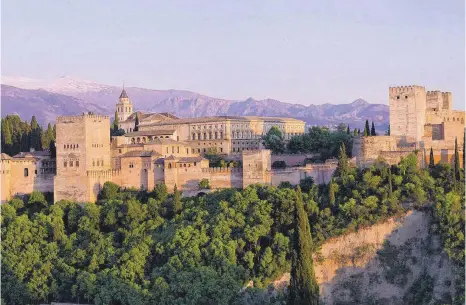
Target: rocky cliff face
395 262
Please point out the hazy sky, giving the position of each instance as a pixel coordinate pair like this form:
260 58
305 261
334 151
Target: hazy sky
295 51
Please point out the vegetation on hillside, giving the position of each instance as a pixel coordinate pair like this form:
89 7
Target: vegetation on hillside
136 247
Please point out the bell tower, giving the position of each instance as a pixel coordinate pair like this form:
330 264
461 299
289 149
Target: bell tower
124 107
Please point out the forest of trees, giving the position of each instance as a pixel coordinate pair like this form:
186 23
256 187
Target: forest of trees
134 247
320 141
20 136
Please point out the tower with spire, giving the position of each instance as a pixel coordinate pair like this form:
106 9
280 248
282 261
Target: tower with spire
124 107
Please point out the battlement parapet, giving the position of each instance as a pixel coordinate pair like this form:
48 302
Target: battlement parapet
221 169
405 89
100 173
80 118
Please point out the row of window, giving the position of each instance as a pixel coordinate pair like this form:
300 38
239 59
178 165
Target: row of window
239 149
216 126
97 145
124 109
97 162
207 136
71 163
70 146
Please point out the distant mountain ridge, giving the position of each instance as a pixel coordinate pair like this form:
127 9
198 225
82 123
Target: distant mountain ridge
68 95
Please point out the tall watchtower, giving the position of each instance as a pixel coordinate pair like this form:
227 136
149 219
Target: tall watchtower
83 146
407 112
124 107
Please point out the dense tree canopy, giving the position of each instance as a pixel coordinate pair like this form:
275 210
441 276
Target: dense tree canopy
130 248
274 141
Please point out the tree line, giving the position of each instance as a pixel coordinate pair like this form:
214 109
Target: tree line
139 247
22 136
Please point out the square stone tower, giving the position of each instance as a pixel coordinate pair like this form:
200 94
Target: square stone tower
407 112
83 147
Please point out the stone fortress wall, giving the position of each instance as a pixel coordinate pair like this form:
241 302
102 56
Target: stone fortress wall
419 121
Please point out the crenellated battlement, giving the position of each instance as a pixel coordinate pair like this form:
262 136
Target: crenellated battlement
100 173
221 169
80 118
405 89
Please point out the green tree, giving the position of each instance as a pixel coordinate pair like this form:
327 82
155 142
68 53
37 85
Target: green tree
387 133
35 135
177 205
355 132
367 129
160 192
431 158
136 123
109 191
204 184
7 139
273 140
348 130
359 131
343 166
331 193
390 187
48 136
303 289
373 130
53 149
116 123
457 161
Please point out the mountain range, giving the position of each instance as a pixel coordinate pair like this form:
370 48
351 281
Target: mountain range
67 95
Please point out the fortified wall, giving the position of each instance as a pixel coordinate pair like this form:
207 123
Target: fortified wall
419 121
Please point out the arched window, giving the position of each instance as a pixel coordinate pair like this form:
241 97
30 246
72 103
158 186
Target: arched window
205 135
65 164
138 140
216 135
144 140
178 149
26 172
169 165
132 140
210 136
199 136
194 136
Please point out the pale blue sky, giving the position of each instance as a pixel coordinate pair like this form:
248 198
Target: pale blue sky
295 51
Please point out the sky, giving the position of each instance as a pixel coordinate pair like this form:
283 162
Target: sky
306 52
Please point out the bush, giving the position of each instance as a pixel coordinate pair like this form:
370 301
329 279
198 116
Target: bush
204 184
279 164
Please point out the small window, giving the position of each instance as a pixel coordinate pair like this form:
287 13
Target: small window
71 163
195 163
119 151
178 149
77 163
406 97
26 172
398 97
35 172
65 164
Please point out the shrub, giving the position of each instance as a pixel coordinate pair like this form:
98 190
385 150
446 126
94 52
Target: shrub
204 184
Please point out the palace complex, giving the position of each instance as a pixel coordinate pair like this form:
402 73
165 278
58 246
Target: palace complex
163 148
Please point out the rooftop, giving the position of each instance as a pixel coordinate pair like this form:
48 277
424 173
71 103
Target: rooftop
140 153
220 119
149 133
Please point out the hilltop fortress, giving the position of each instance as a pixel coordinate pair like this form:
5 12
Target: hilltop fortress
167 149
419 121
162 149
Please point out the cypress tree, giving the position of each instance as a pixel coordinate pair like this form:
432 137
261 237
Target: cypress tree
116 123
331 193
373 130
176 200
359 131
303 288
35 135
355 132
388 130
136 123
52 149
7 139
431 158
347 130
366 129
342 167
390 188
457 160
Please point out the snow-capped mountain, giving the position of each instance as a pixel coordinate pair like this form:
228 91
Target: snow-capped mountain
83 94
64 84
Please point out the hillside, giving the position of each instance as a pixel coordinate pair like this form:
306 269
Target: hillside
398 261
181 103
